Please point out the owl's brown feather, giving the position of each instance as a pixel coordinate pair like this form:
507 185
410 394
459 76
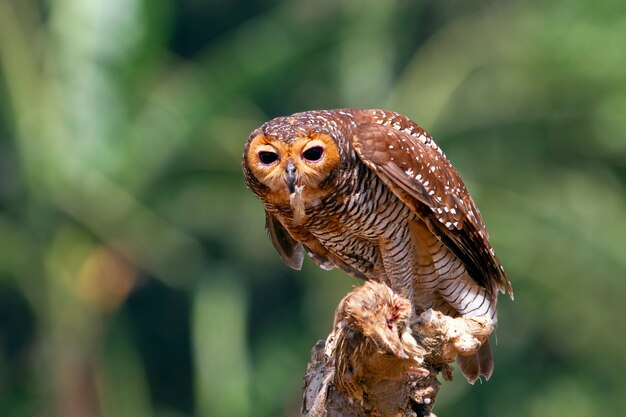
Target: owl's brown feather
485 358
478 364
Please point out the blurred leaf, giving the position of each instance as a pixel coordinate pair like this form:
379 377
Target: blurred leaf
219 340
123 386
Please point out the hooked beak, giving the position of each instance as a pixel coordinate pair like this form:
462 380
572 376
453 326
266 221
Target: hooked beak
291 176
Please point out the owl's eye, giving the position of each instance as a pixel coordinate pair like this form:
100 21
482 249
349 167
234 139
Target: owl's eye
313 154
268 157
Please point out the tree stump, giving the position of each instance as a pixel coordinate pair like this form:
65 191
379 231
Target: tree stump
382 359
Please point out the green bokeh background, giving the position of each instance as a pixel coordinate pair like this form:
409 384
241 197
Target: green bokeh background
135 276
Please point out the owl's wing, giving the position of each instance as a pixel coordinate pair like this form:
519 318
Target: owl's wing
409 162
287 247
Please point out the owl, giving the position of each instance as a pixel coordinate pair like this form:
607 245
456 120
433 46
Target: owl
371 193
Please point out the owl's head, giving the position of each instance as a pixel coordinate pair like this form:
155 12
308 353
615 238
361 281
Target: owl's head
291 164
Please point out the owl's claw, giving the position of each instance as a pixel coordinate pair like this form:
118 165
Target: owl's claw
464 335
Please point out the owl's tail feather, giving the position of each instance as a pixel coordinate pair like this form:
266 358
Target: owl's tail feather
478 364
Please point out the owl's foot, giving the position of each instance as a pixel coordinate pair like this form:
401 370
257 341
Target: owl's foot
461 335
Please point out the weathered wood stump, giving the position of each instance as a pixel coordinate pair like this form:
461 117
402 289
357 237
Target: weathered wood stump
382 359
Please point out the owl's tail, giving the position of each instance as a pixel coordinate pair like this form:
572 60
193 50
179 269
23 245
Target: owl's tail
478 364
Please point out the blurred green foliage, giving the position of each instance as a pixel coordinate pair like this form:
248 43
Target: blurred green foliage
135 277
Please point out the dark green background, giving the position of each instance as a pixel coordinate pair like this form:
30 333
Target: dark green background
135 276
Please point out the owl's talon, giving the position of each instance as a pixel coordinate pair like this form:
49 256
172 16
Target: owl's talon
464 335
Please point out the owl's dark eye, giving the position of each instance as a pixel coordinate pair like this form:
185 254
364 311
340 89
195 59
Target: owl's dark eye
268 157
313 154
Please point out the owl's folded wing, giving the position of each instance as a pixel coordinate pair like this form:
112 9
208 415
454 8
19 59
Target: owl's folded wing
409 162
287 247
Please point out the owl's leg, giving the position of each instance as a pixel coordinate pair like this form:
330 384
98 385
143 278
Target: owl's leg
442 277
473 303
396 252
442 283
464 295
467 297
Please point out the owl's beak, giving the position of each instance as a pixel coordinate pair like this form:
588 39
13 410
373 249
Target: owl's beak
290 169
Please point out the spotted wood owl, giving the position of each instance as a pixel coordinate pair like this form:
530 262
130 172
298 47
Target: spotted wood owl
370 192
